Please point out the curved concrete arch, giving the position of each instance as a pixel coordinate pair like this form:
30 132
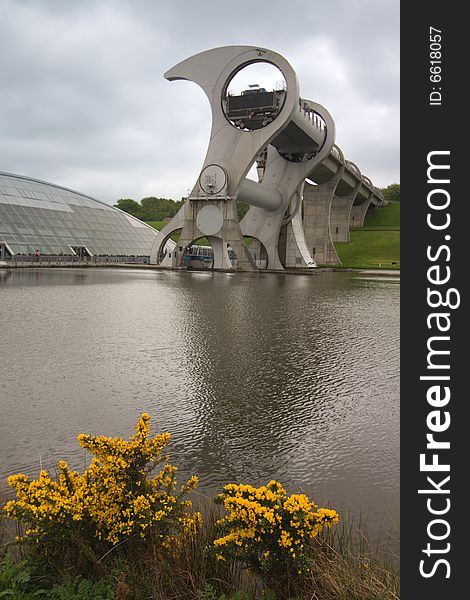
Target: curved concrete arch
259 254
367 191
337 153
340 215
378 197
368 182
358 212
351 176
184 255
357 171
165 253
164 235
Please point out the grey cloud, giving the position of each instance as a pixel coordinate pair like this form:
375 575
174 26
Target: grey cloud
83 101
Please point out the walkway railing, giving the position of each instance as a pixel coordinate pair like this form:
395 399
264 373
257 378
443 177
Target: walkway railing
30 260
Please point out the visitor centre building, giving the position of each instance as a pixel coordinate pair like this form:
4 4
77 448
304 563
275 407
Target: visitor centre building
46 219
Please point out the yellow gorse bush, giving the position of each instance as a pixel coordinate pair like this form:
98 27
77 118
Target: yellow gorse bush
121 495
267 530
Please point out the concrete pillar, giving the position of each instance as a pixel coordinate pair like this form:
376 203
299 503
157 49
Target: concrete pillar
358 213
340 215
317 207
295 252
229 233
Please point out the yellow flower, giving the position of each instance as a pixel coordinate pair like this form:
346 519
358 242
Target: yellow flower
268 524
115 497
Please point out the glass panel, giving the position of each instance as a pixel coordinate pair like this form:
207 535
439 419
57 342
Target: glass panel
39 214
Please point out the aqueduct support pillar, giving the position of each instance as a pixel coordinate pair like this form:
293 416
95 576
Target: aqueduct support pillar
317 207
358 213
340 215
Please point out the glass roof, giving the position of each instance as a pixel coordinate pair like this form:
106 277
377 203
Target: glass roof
35 215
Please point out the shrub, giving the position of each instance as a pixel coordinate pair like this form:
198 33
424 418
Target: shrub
15 579
18 583
115 500
267 530
74 588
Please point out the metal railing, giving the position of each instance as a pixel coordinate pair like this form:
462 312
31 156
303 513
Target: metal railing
32 260
311 115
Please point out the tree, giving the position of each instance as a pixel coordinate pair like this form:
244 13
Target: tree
129 206
242 209
157 209
392 192
150 208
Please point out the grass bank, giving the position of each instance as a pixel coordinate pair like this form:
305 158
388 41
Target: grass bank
387 217
157 224
377 244
344 567
371 249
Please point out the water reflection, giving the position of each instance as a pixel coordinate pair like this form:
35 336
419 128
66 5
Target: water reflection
255 375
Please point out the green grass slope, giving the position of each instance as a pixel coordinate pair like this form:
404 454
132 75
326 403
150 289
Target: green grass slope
156 224
387 217
377 244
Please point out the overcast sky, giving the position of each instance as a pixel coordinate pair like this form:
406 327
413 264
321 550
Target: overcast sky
83 101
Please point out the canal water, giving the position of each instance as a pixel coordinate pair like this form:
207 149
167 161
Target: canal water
256 376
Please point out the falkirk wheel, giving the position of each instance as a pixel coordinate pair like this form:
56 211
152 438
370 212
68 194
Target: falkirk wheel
291 140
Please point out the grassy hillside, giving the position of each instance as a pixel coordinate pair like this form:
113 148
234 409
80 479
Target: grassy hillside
387 217
156 224
377 244
371 249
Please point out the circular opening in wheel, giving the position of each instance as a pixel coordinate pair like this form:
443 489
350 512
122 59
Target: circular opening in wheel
254 95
